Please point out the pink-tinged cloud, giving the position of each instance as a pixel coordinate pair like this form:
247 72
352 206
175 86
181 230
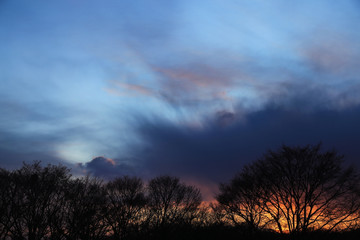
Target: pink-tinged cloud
196 83
195 76
332 53
122 89
109 160
135 88
181 85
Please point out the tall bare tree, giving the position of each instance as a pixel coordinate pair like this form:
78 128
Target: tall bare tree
300 188
85 209
125 204
34 200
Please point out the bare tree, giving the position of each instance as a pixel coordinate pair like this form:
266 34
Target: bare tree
125 204
300 188
85 208
172 201
6 219
239 202
34 200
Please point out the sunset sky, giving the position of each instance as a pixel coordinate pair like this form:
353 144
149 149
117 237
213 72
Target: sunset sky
194 89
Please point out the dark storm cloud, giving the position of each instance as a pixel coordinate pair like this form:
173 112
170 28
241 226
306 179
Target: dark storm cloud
105 168
228 140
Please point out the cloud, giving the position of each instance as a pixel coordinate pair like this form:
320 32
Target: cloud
129 89
195 83
332 53
228 140
13 159
105 168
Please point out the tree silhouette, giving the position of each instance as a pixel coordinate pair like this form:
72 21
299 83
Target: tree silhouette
171 201
240 202
294 189
125 204
6 219
298 188
32 200
85 209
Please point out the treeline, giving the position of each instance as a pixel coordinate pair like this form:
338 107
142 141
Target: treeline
47 203
294 192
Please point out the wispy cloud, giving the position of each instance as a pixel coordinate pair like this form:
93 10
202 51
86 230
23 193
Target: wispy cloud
129 89
176 86
332 53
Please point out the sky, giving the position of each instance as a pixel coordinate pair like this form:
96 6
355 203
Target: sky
194 89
